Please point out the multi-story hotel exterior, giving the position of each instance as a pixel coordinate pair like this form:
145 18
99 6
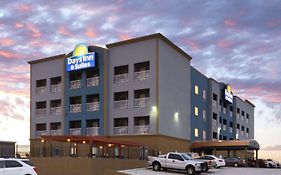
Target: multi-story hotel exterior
141 90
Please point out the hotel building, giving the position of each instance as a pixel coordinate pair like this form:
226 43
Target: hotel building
142 90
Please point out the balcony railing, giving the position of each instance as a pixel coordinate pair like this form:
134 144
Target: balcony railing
56 132
75 131
141 102
237 116
231 114
56 88
214 122
224 110
237 131
93 106
55 110
141 75
242 118
75 84
94 81
122 130
122 104
121 78
242 132
41 90
247 120
215 103
40 133
92 131
75 108
142 129
40 112
247 134
224 127
230 130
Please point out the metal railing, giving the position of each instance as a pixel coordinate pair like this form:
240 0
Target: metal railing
224 127
121 78
121 130
141 75
56 88
214 122
230 129
75 108
224 110
141 102
93 106
75 131
231 114
41 90
56 132
215 103
247 120
121 104
94 81
40 112
141 129
40 133
237 131
55 110
242 132
75 84
247 134
237 116
92 131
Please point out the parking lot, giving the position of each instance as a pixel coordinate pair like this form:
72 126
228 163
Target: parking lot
222 171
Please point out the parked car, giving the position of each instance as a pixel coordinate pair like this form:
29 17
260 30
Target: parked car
13 166
269 163
210 163
219 162
252 163
178 161
234 161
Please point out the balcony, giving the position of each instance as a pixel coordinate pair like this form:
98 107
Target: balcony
141 75
56 132
242 132
215 103
121 78
75 131
214 122
230 130
93 106
121 104
142 129
224 127
40 133
141 102
75 108
247 135
94 81
237 116
237 131
41 90
55 110
224 110
56 88
247 120
92 131
122 130
75 84
231 114
40 112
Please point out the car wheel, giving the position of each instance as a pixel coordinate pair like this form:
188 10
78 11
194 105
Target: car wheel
190 170
235 164
156 166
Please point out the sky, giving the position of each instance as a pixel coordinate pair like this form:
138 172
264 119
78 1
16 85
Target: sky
236 42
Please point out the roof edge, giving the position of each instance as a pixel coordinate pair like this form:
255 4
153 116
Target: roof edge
147 37
45 59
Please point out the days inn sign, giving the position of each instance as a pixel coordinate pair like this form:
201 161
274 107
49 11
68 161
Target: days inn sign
80 59
228 96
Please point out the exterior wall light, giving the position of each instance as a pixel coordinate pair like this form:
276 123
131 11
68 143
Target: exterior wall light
68 140
84 142
42 140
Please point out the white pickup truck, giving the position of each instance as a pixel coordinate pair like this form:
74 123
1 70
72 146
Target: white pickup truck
178 161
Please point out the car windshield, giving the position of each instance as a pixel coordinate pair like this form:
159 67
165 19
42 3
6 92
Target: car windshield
27 162
186 157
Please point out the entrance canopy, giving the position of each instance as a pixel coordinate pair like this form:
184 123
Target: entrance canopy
91 140
225 145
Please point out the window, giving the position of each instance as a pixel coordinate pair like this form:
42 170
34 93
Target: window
12 164
196 132
204 115
204 135
196 89
215 135
196 111
1 164
204 94
175 157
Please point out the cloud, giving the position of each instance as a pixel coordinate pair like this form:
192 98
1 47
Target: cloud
273 148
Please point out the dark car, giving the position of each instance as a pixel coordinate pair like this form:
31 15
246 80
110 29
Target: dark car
261 163
234 161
